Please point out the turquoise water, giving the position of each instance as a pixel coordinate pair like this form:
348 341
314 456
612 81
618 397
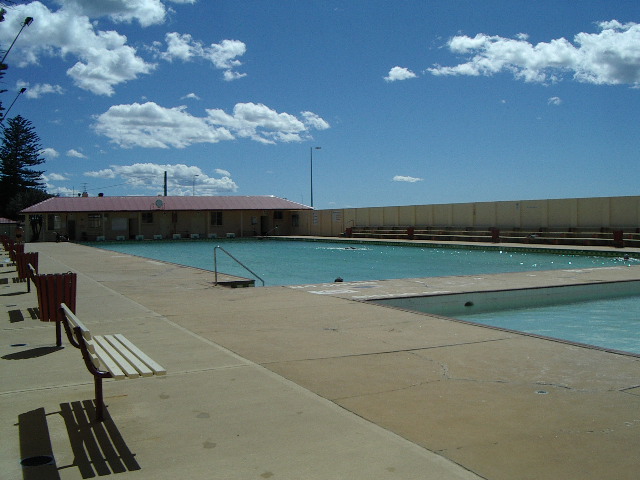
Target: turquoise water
282 262
612 323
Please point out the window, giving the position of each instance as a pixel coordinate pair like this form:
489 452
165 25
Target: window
216 219
95 220
278 215
53 222
147 217
295 220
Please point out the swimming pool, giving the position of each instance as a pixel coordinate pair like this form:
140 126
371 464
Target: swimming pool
291 262
605 315
609 323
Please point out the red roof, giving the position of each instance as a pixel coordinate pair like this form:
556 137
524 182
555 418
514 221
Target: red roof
137 204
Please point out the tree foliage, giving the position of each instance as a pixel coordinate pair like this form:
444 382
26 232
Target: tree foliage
19 153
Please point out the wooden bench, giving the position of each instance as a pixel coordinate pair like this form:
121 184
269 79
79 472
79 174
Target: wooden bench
107 356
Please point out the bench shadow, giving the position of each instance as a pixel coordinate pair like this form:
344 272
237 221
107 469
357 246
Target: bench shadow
31 353
15 316
98 447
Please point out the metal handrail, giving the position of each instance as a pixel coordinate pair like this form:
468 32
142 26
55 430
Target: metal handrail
215 264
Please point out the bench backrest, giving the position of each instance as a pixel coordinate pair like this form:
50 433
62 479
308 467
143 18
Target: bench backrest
74 322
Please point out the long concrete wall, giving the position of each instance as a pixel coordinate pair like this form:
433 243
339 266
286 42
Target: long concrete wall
599 212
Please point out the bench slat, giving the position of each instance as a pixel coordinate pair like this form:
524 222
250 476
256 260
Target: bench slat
115 357
130 356
111 366
152 364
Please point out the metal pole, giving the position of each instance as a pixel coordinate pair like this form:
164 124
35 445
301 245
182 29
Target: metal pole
27 22
311 150
22 90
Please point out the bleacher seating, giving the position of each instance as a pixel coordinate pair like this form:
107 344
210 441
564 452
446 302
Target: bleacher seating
584 236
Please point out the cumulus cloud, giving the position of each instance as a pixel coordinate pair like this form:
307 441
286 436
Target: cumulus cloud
104 59
191 96
403 178
75 154
314 121
399 73
149 125
263 124
554 101
222 55
39 89
54 177
146 12
49 153
610 57
180 178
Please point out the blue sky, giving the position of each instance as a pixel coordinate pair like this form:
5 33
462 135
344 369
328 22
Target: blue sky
411 102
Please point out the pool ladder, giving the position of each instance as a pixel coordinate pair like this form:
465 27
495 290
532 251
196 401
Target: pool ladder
215 264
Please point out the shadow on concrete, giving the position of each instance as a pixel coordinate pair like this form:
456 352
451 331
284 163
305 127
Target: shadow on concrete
36 453
98 447
15 316
31 353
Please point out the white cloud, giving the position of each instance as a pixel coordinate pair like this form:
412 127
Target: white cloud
262 124
554 101
223 55
75 153
49 153
181 179
610 57
314 121
399 73
146 12
192 96
402 178
103 57
54 177
149 125
39 89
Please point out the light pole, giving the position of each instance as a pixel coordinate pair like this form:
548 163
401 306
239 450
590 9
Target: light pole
22 90
311 150
194 184
27 21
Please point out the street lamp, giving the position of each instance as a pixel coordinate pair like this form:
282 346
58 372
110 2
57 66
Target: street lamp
22 90
194 184
27 21
311 150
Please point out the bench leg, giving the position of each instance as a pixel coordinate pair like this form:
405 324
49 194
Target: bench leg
58 334
99 399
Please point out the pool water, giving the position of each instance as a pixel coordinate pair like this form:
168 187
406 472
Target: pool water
611 323
284 262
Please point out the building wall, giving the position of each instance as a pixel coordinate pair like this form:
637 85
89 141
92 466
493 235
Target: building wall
81 226
600 212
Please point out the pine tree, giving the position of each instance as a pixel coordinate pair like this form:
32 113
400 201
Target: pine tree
19 152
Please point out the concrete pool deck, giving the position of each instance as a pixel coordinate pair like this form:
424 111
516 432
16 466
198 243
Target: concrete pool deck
278 382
